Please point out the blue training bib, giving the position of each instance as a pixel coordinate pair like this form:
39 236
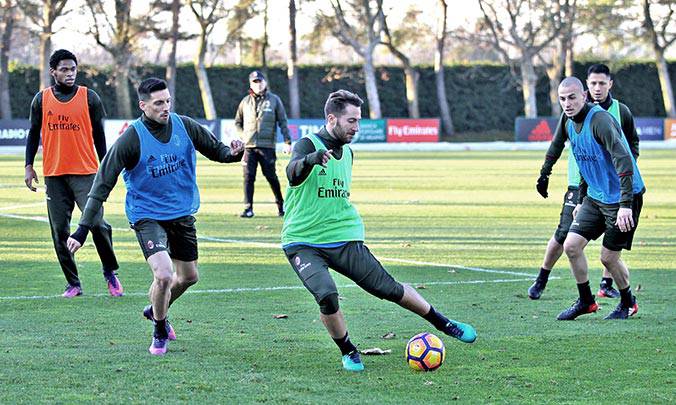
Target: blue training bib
163 184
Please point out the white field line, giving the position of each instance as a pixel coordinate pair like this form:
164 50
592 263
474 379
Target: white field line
277 246
457 266
261 289
11 207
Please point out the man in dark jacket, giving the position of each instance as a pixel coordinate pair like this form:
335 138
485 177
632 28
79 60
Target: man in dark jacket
258 115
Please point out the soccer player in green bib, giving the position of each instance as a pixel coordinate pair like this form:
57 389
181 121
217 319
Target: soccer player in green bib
322 229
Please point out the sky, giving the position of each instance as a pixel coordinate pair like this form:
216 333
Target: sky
71 32
71 29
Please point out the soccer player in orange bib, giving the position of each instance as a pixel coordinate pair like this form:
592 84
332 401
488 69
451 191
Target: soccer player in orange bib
70 119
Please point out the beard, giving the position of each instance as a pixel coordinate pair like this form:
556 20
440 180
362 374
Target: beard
341 134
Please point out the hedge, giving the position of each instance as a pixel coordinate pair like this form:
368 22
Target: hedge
482 97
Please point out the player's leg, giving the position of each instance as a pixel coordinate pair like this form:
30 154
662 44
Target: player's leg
311 267
152 237
355 261
182 247
250 166
60 204
268 165
588 225
606 289
555 245
182 238
614 241
552 254
160 291
102 233
186 275
613 262
160 295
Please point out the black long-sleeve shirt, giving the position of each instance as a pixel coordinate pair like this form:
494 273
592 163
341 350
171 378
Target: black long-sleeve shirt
126 152
302 161
606 132
65 93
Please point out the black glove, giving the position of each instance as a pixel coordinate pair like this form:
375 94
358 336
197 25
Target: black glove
543 183
80 234
315 158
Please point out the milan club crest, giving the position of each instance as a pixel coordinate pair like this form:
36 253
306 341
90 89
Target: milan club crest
150 244
297 260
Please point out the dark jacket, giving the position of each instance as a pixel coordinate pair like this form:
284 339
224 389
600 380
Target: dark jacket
257 119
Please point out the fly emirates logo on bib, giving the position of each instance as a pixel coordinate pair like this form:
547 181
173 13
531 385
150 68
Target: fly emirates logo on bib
337 191
166 164
61 122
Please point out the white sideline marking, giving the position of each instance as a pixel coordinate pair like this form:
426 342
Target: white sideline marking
38 218
258 289
11 207
278 246
456 266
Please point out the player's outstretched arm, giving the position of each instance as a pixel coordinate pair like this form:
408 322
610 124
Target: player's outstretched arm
125 153
208 145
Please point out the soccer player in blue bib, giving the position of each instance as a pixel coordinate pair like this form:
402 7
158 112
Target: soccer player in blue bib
156 155
610 199
599 82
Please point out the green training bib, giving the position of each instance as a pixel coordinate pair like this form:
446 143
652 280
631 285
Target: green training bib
318 210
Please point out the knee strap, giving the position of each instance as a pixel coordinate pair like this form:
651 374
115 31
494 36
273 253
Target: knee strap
329 304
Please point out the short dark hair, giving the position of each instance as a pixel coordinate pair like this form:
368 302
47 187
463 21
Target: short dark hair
337 100
59 55
150 85
599 68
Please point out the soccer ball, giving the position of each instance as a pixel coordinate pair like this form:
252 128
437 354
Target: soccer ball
425 352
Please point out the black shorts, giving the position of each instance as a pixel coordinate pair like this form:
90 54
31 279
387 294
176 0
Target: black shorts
176 236
566 217
353 260
595 219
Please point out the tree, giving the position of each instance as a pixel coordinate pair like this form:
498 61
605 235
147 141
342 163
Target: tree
661 34
518 30
157 23
170 74
561 54
123 33
598 17
444 111
208 13
291 62
7 20
405 33
359 27
265 42
43 13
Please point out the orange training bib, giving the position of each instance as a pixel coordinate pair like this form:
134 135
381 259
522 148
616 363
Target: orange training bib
67 140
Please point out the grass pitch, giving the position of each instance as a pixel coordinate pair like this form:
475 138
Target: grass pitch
467 228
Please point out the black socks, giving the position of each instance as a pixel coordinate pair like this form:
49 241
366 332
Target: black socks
544 275
161 329
435 318
344 344
626 298
607 281
586 296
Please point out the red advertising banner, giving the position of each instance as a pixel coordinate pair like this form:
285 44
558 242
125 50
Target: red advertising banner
413 130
